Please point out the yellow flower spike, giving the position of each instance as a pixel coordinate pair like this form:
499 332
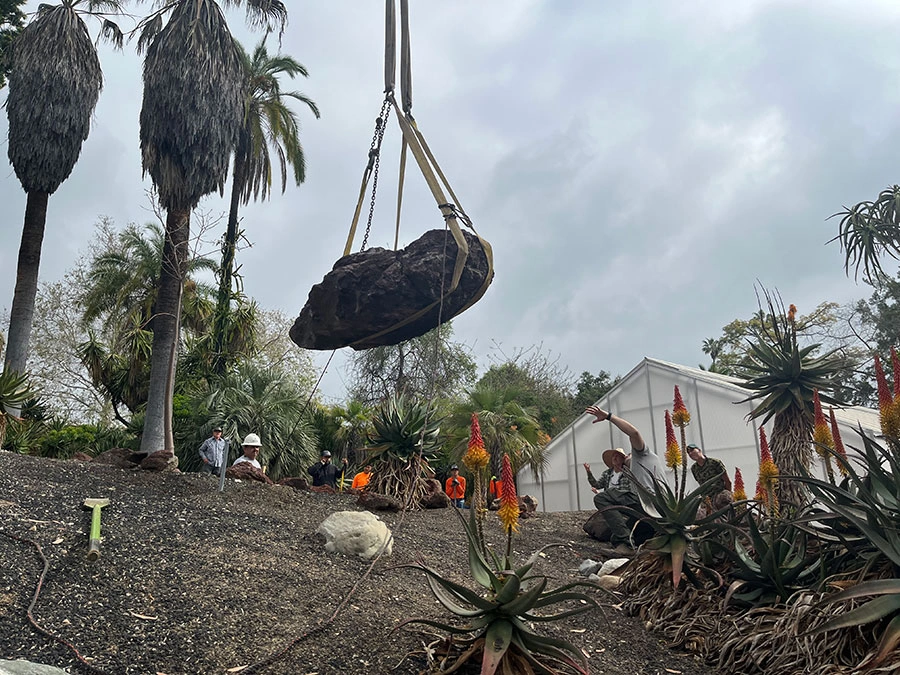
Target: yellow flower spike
476 457
673 451
509 502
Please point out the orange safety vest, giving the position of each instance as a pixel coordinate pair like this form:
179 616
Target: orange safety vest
496 488
455 491
360 480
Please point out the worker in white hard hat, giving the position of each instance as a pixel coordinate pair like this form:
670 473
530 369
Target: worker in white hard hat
251 446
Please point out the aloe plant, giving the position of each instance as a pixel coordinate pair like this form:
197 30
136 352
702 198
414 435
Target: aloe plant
772 564
496 618
674 520
868 502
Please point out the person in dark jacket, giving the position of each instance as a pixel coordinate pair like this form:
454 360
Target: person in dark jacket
324 472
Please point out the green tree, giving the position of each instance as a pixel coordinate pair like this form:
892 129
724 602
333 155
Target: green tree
426 367
251 399
54 84
535 380
12 20
591 388
121 310
268 122
190 122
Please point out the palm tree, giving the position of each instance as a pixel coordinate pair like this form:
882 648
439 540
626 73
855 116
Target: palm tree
785 376
268 122
190 121
257 400
119 308
506 427
12 20
54 84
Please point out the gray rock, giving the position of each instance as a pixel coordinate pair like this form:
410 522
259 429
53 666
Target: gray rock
589 567
20 667
371 291
611 566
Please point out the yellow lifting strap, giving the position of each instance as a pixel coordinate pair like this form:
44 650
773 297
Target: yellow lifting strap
414 141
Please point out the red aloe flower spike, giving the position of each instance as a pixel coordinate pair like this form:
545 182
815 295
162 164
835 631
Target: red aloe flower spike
884 391
760 495
821 432
838 443
673 451
680 415
740 493
896 363
509 502
475 438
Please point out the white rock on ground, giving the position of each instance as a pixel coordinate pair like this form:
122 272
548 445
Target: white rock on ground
20 667
611 566
358 533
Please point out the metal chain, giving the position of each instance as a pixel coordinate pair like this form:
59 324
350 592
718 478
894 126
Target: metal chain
375 161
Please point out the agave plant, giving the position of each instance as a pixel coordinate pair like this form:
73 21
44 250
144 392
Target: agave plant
405 435
497 617
14 392
784 378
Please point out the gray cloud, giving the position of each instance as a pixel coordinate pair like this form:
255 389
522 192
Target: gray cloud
636 167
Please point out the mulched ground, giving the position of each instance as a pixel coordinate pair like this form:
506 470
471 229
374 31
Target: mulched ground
193 581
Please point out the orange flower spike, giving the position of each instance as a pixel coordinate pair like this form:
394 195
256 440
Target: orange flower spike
896 364
792 313
739 492
760 495
890 419
680 415
673 451
821 432
509 502
476 456
768 471
884 391
838 443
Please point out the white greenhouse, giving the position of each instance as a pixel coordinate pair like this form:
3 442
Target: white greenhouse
719 425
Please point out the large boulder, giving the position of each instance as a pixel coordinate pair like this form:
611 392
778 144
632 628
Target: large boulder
358 533
120 457
246 471
162 460
372 501
296 483
434 497
367 293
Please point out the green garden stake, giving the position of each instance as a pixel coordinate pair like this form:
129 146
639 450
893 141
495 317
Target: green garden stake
96 505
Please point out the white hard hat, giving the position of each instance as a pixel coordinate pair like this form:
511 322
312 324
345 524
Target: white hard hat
252 439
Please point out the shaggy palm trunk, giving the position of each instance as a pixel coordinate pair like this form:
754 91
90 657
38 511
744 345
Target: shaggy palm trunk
790 445
22 314
157 420
223 302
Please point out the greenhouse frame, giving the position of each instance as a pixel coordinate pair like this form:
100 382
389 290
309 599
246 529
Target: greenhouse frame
719 424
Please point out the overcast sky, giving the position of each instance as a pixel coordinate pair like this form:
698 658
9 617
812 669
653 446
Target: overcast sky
636 166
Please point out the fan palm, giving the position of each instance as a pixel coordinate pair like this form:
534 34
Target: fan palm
784 377
120 301
255 400
12 20
506 427
54 84
190 122
268 122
